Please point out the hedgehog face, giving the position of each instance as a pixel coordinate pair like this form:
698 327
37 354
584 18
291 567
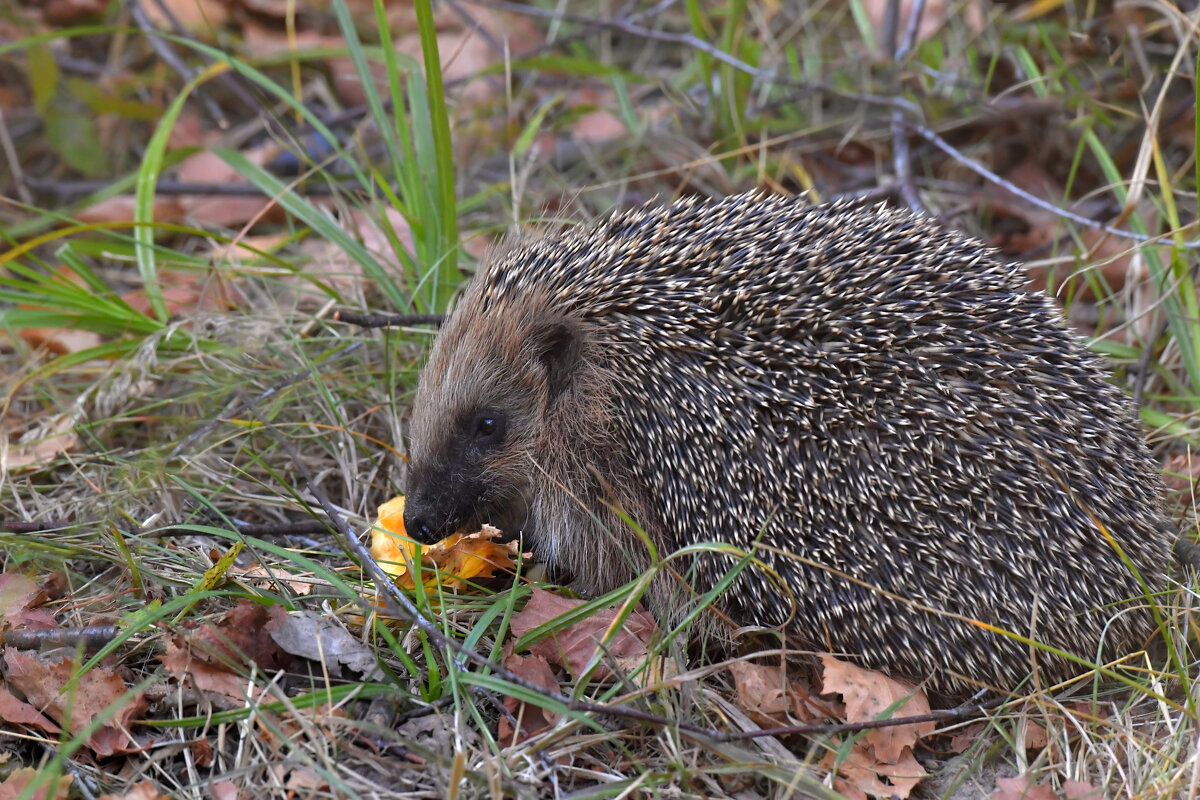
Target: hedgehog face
468 474
477 422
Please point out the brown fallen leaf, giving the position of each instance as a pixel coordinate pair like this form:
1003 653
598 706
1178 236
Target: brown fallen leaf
18 712
60 341
862 771
1081 790
881 763
223 687
197 16
241 638
1022 787
531 719
966 737
574 646
44 679
762 689
18 596
868 694
70 12
139 791
39 444
15 784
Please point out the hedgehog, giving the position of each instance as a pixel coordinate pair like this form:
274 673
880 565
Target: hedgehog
912 460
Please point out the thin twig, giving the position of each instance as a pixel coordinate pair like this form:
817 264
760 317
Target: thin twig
985 173
627 26
14 162
387 320
967 710
901 152
92 637
172 59
1141 376
163 187
226 77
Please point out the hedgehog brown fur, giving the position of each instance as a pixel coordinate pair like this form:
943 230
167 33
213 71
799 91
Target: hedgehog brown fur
872 404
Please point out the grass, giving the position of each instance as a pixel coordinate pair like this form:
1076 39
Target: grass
202 429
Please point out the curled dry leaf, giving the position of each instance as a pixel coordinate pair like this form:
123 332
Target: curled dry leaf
881 763
40 444
313 636
16 783
139 791
574 646
18 712
761 689
1023 787
531 719
19 598
868 694
52 685
453 561
861 772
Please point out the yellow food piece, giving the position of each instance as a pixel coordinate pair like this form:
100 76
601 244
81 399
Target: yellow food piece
453 561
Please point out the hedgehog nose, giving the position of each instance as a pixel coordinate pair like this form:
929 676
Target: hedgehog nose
416 525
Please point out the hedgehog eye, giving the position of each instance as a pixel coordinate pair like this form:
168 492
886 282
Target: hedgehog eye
488 426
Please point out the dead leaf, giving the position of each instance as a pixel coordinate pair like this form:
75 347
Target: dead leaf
934 16
465 50
875 779
18 712
1080 790
60 341
43 680
761 688
260 577
17 593
182 292
16 783
1180 474
197 16
140 791
1110 256
223 687
240 250
868 694
1036 737
202 752
313 636
224 790
966 737
69 12
1022 788
329 264
531 718
122 208
39 444
574 646
239 638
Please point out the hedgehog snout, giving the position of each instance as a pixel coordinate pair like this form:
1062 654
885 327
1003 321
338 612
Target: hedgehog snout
419 520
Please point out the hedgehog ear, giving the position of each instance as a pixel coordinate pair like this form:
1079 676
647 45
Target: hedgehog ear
557 345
